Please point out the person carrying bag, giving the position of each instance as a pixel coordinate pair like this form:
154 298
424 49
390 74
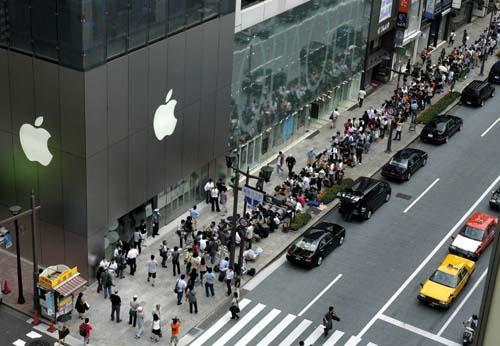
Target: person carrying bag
235 307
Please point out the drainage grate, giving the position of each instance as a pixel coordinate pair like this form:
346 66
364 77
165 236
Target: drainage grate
403 196
312 135
38 343
195 331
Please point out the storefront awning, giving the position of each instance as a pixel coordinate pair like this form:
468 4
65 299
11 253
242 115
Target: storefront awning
71 285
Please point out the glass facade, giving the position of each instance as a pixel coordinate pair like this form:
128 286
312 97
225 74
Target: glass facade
312 53
85 33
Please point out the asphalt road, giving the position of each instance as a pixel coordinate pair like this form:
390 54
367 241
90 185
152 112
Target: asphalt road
14 330
373 279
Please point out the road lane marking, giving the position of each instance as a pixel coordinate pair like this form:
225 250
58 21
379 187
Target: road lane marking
311 339
295 333
256 280
462 303
353 341
489 128
319 295
371 344
332 340
258 327
240 324
427 259
421 195
418 331
273 334
218 325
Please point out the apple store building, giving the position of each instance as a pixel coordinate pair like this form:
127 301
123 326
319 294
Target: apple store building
108 110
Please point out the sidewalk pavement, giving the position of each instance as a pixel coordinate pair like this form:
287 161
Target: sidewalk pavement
111 333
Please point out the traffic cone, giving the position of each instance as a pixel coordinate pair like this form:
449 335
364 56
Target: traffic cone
36 318
51 328
5 288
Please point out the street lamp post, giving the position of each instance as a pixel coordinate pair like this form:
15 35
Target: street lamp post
14 210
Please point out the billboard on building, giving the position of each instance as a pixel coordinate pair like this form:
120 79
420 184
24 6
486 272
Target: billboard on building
385 10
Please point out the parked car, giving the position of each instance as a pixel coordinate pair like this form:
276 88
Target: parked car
404 164
364 197
477 92
494 76
315 244
447 281
475 236
495 199
441 128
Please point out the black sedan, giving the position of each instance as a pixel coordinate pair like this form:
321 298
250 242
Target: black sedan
404 164
441 128
495 199
315 244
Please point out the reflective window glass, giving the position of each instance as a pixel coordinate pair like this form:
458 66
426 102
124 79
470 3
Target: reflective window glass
44 28
157 19
19 15
176 15
116 27
70 33
193 12
138 23
210 9
94 33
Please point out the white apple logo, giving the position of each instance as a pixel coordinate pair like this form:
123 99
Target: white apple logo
165 121
34 142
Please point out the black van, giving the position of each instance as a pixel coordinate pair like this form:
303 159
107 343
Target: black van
364 197
477 92
494 76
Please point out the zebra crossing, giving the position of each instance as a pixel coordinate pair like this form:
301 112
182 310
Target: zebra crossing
260 325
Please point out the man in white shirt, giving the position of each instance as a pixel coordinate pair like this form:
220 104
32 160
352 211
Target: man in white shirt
131 258
214 199
361 97
152 265
180 286
229 278
249 236
208 186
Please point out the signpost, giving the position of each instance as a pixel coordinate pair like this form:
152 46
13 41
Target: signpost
252 195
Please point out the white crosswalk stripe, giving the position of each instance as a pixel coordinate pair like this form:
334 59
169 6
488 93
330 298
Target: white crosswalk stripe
273 334
295 333
311 339
258 327
332 340
264 326
240 325
218 325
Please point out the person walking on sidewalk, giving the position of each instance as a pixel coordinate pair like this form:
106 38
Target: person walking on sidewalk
280 161
180 286
214 199
451 38
164 254
63 332
195 215
465 38
361 97
132 259
140 322
209 278
175 330
137 239
235 307
116 302
175 261
191 299
399 129
107 282
81 306
333 117
152 265
85 329
156 328
290 163
208 187
229 279
132 312
328 319
223 201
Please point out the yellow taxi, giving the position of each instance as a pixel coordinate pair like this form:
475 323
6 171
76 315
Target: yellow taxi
446 283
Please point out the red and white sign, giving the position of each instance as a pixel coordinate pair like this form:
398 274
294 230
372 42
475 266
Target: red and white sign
404 6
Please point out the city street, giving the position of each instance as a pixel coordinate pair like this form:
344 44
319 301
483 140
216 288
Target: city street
373 279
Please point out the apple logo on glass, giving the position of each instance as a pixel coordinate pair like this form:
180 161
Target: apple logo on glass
165 121
34 142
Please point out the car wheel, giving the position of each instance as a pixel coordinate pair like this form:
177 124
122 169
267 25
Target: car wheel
424 162
387 197
482 103
369 214
408 176
319 261
341 240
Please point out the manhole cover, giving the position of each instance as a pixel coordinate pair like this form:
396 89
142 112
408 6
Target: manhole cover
38 343
403 196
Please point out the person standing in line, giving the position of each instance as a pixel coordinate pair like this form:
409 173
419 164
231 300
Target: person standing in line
465 38
116 302
195 214
290 163
202 269
311 157
152 265
175 261
85 329
175 328
360 148
214 199
280 160
164 254
223 201
191 299
229 279
140 322
137 239
361 97
249 235
451 38
399 129
180 286
209 278
132 313
208 187
132 259
107 282
156 328
328 319
223 265
235 307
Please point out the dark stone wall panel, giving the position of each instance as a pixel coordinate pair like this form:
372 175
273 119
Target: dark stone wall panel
97 192
138 90
117 93
5 115
96 110
117 180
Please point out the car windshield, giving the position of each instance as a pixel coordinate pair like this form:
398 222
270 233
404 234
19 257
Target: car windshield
441 126
307 244
445 279
472 233
402 163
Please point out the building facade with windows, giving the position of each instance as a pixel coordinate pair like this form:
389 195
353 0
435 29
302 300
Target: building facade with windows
97 76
